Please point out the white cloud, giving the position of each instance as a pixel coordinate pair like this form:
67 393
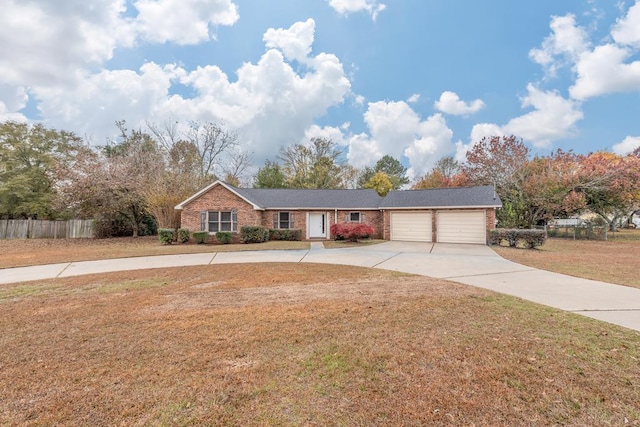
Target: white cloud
270 104
326 132
629 144
432 142
413 98
182 21
479 131
565 44
485 130
451 103
49 43
396 129
294 42
627 29
603 71
554 117
343 7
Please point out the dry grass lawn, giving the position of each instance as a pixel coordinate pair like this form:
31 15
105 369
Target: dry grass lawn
26 252
316 345
615 261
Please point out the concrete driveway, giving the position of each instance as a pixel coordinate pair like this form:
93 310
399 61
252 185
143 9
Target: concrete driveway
475 265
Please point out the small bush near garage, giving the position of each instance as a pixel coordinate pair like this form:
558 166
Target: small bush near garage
288 235
200 237
518 238
351 232
166 235
183 235
224 237
254 234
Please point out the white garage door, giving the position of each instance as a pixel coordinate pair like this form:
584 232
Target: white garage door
411 226
462 227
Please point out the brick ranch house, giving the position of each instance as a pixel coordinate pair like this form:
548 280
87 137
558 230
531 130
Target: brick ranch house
446 215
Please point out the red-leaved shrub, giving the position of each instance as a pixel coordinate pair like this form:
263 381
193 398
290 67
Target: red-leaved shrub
351 232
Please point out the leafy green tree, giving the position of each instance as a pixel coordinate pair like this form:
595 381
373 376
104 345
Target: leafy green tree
33 161
391 167
315 165
270 175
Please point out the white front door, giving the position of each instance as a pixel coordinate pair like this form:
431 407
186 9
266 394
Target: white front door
317 225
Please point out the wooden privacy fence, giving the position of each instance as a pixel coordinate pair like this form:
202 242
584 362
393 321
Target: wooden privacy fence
41 229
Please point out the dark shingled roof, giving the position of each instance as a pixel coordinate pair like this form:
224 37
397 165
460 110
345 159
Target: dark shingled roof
286 198
273 198
442 197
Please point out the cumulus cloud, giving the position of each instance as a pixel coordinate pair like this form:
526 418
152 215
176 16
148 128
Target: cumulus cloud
600 69
478 132
451 103
604 70
396 129
563 46
627 29
294 42
629 144
182 21
554 117
413 98
68 37
269 102
343 7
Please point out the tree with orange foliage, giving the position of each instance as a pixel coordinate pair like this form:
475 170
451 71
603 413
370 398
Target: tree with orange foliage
609 185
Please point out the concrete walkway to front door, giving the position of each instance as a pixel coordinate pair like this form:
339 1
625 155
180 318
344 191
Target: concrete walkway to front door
475 265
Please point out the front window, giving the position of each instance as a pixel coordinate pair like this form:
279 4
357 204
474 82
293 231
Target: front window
354 217
222 221
283 220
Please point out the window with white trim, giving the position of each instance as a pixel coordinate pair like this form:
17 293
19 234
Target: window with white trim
283 220
354 217
214 221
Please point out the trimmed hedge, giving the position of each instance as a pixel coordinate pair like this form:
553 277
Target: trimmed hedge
183 235
166 235
289 235
200 237
254 234
517 238
224 237
351 232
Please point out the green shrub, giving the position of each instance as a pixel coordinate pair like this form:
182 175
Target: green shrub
254 234
166 235
183 235
224 237
289 235
200 237
517 237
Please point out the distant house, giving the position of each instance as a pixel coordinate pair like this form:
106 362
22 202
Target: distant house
449 215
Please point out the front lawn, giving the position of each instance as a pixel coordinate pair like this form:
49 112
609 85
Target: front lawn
283 344
26 252
615 261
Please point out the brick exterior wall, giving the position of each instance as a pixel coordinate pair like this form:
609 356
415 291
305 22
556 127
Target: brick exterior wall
219 198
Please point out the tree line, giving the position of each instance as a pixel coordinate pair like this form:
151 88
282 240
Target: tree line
131 184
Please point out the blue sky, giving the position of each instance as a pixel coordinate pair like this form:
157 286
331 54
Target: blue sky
416 79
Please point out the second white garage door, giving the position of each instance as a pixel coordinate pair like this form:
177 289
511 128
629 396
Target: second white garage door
411 226
462 227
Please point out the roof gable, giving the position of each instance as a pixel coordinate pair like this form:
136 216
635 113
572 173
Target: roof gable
231 188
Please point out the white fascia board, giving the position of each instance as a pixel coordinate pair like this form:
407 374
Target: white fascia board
440 207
